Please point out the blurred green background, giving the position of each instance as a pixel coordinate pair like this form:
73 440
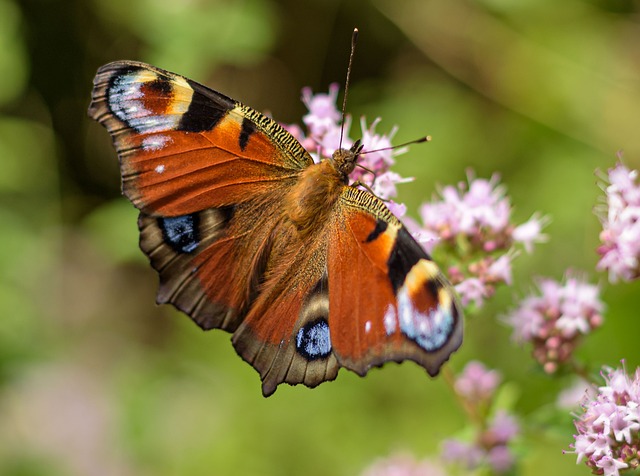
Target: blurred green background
97 380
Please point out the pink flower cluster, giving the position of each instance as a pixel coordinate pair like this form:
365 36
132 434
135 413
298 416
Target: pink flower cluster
608 438
474 219
476 383
620 236
476 386
323 122
555 319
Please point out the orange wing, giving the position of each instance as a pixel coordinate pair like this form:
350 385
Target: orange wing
388 300
208 175
183 147
285 335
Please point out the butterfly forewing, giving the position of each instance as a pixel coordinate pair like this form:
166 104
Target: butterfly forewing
201 167
184 148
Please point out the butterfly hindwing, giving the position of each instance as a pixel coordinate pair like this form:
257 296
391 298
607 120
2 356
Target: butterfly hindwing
290 342
183 147
388 299
172 245
212 263
285 336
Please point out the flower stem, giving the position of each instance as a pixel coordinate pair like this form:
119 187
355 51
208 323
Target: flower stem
470 410
582 372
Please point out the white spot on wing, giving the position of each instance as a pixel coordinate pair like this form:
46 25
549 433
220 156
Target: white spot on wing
367 326
159 169
155 142
390 320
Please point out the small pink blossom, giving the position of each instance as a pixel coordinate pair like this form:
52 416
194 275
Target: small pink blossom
572 396
504 428
490 448
500 269
611 466
385 184
485 205
463 454
398 209
530 232
481 211
476 382
323 114
381 159
500 459
472 290
403 465
527 320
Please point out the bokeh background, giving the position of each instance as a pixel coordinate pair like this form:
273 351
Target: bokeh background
97 380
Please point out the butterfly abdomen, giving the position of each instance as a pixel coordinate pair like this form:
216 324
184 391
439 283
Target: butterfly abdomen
311 201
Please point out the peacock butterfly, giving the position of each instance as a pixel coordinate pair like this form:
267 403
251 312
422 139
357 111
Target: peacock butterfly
249 235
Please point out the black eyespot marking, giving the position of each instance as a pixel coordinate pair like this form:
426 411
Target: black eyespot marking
381 227
248 128
160 86
207 108
181 233
313 341
433 286
405 254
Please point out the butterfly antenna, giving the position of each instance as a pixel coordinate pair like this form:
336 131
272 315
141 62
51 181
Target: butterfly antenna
364 152
415 141
354 40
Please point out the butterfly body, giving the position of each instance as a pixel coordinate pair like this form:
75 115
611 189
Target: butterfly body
249 235
311 200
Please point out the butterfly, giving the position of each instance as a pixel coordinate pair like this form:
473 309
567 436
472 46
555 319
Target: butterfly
249 235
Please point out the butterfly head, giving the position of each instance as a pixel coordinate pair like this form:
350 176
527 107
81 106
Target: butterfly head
344 160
